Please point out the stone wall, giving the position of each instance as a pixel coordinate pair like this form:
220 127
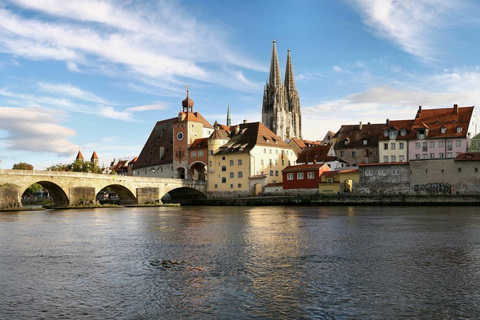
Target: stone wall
384 179
9 197
148 195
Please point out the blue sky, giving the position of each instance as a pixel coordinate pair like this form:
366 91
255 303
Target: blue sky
96 75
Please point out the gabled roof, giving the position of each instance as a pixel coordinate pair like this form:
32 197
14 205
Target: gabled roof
161 136
302 167
316 153
450 118
200 143
220 133
195 117
250 135
355 135
398 125
470 156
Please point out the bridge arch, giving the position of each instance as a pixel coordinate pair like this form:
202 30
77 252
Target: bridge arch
197 171
125 195
59 196
182 195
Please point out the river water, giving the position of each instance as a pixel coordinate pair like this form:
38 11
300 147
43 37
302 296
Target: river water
241 263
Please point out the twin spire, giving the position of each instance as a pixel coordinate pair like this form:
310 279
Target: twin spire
275 78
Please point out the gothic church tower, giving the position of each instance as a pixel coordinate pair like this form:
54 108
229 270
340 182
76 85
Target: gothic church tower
281 103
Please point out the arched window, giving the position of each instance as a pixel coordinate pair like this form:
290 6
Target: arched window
224 180
271 173
224 168
276 173
231 162
240 174
239 162
232 175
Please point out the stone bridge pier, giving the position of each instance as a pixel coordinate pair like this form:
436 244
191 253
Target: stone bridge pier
77 189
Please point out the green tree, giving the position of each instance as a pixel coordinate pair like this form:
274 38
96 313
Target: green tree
77 166
33 188
22 166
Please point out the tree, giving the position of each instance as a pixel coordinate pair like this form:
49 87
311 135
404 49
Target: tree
22 166
77 166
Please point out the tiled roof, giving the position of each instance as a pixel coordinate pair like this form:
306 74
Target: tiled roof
450 118
315 153
161 136
250 135
195 117
220 134
302 167
201 143
470 156
398 125
355 136
79 155
94 156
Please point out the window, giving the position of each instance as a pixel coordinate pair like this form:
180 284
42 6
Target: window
401 146
239 185
459 129
210 163
232 175
194 154
385 133
240 174
392 146
264 150
354 154
289 176
401 158
425 156
368 173
449 155
449 145
300 175
459 170
215 186
432 155
432 144
417 156
440 155
443 130
210 152
271 173
385 146
231 162
393 134
441 144
200 153
224 180
417 145
393 158
385 158
403 132
459 143
239 162
223 158
424 146
476 169
365 142
310 175
421 134
276 173
261 162
382 172
224 168
342 154
396 172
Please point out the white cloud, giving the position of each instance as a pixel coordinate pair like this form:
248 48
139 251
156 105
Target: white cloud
110 112
414 25
152 40
156 106
37 130
71 91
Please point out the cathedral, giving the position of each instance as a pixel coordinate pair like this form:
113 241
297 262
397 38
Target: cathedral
281 103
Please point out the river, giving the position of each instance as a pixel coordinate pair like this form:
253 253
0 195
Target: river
241 263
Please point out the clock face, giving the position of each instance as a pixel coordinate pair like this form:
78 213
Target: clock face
180 136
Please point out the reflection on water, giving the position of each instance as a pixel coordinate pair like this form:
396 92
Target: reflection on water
234 262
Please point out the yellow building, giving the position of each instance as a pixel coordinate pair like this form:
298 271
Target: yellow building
334 182
245 159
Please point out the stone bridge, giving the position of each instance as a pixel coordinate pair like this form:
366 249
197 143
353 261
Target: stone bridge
77 188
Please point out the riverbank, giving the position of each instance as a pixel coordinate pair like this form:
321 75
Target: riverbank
342 200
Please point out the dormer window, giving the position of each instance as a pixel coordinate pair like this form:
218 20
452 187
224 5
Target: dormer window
403 132
443 130
365 141
346 142
421 134
385 133
393 134
459 129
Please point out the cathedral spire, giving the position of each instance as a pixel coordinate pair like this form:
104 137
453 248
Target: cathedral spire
229 121
275 76
289 81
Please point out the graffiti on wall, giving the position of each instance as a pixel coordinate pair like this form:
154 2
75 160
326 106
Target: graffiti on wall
433 187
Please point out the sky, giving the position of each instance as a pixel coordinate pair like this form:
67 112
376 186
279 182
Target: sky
95 75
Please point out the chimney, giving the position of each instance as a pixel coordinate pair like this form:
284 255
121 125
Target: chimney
315 160
360 126
455 109
245 121
388 122
306 159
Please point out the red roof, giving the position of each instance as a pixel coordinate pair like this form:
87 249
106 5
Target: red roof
470 156
302 167
79 155
94 156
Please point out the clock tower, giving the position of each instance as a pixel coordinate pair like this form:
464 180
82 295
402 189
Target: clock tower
188 127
